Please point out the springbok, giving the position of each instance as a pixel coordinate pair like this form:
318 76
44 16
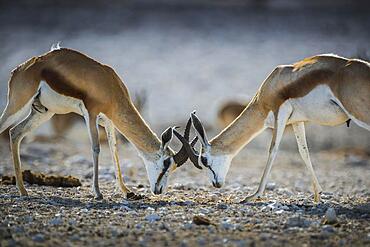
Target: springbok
61 124
324 89
228 112
63 81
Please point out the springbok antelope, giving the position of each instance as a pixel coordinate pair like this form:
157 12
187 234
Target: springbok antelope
63 81
324 89
228 112
61 124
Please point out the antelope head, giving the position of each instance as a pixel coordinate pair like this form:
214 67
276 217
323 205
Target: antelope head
167 160
217 165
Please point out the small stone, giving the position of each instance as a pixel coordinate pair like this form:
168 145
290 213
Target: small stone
274 206
228 226
328 229
188 203
28 219
178 186
164 226
19 229
84 210
75 237
38 238
72 222
222 206
298 221
270 186
56 221
152 217
188 226
125 208
331 216
201 220
265 236
204 211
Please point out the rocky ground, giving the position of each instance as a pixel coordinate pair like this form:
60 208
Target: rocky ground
285 216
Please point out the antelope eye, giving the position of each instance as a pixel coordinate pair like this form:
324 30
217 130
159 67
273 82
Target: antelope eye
204 160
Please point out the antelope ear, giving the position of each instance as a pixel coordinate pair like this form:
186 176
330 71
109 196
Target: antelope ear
166 138
199 130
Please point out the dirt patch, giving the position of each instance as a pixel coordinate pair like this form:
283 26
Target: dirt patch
43 179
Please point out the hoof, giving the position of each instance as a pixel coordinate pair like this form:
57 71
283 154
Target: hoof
23 193
317 197
133 197
98 197
250 198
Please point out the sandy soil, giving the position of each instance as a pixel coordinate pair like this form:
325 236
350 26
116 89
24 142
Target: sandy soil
285 216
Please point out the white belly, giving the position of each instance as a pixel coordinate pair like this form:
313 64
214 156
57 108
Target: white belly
316 107
58 103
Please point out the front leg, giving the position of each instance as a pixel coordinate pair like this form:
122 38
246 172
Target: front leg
281 119
112 141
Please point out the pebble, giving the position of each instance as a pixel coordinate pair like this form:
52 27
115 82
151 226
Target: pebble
28 219
298 221
285 191
270 186
188 226
19 229
331 216
56 221
204 211
265 236
328 229
228 226
38 238
164 226
222 206
75 237
152 217
178 186
123 207
188 203
84 210
72 222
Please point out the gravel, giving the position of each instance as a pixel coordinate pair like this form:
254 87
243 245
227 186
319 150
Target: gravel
283 216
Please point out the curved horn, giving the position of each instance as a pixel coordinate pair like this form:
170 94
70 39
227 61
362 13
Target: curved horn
181 156
199 129
189 149
166 137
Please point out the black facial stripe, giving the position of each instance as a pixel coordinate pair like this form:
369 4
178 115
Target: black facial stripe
205 163
166 166
214 174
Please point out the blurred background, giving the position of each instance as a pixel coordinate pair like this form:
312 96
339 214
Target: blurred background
176 56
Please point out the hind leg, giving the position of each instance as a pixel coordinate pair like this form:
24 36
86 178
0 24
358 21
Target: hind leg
91 120
17 133
300 135
281 120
